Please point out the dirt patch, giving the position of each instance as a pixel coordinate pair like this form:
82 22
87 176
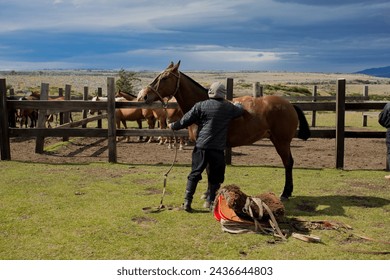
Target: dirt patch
360 154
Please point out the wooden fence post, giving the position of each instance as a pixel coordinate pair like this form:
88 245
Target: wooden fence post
340 123
40 140
112 154
61 114
66 115
314 113
365 97
257 90
85 112
229 96
99 121
4 133
11 117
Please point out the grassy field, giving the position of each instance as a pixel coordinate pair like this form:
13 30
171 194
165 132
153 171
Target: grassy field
94 211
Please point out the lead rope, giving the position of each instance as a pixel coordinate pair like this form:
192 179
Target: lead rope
161 206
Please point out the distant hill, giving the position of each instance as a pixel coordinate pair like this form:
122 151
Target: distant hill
378 72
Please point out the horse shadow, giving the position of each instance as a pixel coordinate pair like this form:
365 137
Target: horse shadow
331 205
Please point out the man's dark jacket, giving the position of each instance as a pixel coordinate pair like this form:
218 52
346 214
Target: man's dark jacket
212 117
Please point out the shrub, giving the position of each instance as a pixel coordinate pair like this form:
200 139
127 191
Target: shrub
126 81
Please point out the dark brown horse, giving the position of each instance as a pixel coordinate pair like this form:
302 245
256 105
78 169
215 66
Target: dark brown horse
270 116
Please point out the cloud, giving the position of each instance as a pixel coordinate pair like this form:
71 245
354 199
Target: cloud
7 65
137 16
219 34
205 57
194 57
330 2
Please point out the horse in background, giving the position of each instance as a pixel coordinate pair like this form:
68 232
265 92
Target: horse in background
12 113
173 115
165 116
122 115
24 115
51 115
146 113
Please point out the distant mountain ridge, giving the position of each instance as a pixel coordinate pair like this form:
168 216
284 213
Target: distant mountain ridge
378 72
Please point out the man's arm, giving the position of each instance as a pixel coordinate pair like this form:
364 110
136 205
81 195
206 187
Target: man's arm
188 119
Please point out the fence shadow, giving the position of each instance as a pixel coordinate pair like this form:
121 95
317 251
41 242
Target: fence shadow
331 205
83 148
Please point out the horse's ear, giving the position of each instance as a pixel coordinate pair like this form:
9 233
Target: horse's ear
170 65
176 67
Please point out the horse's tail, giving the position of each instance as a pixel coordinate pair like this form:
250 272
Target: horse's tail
304 130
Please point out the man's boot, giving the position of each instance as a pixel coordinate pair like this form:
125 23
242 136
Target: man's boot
189 194
206 196
213 188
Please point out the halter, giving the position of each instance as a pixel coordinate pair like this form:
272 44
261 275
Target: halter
155 90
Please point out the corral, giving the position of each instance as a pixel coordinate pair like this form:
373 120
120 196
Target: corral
79 209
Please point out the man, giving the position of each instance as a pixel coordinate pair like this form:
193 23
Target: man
212 117
384 120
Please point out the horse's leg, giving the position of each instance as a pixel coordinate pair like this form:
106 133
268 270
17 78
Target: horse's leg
151 123
163 125
125 126
181 140
32 121
139 121
49 119
118 126
56 117
170 141
284 151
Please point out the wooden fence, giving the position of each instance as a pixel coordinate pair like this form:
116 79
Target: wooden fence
340 106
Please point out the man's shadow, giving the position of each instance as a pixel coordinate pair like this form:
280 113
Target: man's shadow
330 205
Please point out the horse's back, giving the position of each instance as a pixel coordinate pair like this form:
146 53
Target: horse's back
264 117
129 114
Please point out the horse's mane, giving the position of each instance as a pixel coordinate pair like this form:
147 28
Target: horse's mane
195 82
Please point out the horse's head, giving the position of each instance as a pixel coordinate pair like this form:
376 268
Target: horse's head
125 95
95 98
165 85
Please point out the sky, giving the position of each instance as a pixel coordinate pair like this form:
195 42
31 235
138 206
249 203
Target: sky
342 36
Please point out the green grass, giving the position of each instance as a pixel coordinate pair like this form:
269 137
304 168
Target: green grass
353 120
287 90
94 211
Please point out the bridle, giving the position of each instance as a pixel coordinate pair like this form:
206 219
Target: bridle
155 89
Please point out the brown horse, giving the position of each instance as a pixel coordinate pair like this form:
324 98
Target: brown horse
147 114
163 116
51 115
270 117
123 114
23 115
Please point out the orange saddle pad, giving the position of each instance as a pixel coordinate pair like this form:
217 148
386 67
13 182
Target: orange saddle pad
223 211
